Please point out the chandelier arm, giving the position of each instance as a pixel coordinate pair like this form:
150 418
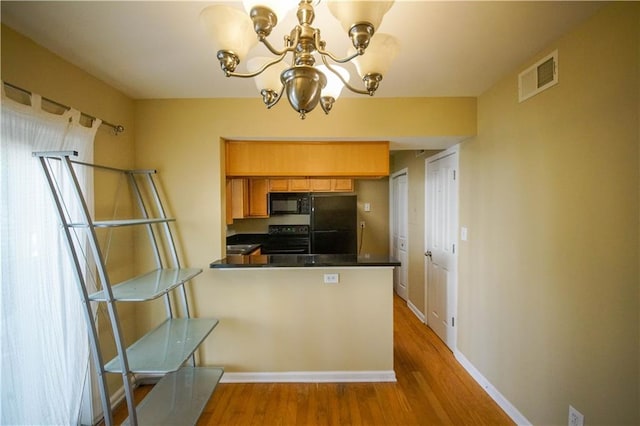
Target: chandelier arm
290 45
337 60
346 83
261 70
320 45
275 51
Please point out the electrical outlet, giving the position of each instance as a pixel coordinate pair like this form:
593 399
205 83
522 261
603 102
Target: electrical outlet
575 417
362 224
331 278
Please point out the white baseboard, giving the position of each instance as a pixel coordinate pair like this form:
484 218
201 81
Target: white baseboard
508 408
116 398
310 377
416 311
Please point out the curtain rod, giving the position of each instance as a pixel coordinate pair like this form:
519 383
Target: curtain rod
117 128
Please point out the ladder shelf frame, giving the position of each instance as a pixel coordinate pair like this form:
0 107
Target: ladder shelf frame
157 283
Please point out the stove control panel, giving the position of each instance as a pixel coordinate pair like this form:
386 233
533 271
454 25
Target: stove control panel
288 229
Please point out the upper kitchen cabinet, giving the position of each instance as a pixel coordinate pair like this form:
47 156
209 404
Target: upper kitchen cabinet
330 185
311 185
247 198
311 159
278 185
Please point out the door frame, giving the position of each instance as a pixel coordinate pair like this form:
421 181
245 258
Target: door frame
392 216
452 303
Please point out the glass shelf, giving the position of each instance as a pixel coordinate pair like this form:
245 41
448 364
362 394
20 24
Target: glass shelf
122 222
148 286
165 349
179 398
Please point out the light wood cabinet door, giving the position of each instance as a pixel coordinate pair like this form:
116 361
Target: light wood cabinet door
278 185
299 185
330 185
342 185
239 198
229 202
320 185
258 189
312 159
247 198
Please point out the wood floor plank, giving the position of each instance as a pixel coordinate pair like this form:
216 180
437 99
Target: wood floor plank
432 388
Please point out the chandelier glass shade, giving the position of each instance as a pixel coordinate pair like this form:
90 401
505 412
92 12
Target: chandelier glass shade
305 83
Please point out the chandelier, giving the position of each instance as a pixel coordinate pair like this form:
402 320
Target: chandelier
304 83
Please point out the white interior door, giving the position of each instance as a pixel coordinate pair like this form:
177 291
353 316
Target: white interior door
441 224
400 231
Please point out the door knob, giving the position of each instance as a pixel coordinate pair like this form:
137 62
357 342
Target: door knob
428 254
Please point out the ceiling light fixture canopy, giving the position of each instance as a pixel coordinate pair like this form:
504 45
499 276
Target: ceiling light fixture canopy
305 84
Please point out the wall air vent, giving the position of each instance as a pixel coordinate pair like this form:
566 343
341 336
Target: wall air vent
540 76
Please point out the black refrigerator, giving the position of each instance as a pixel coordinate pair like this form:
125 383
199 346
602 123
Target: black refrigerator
333 227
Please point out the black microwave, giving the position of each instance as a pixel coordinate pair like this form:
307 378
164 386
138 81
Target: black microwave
288 203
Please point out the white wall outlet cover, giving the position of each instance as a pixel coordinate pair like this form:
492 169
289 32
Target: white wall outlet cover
367 207
331 278
575 417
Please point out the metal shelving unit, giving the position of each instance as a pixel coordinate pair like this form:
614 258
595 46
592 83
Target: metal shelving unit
168 350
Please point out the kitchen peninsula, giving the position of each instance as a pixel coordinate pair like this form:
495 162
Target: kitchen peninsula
292 306
318 318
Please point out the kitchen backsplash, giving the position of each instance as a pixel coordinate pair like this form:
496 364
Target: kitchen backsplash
259 226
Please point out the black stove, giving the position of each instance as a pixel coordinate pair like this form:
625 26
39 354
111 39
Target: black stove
287 239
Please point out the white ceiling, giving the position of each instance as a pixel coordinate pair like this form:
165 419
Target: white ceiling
159 50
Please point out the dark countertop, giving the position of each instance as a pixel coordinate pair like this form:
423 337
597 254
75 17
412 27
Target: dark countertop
243 244
247 239
302 260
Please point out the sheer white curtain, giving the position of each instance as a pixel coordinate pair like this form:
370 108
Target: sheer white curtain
43 337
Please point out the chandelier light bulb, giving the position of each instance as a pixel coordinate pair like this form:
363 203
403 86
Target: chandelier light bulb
230 30
381 52
279 7
268 81
334 84
352 12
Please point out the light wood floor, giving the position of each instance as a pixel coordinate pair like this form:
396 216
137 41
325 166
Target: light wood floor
431 389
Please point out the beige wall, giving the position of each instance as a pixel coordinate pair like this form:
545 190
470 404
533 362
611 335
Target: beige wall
548 290
415 165
27 65
375 237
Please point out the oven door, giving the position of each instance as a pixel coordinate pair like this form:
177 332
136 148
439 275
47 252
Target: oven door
286 245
